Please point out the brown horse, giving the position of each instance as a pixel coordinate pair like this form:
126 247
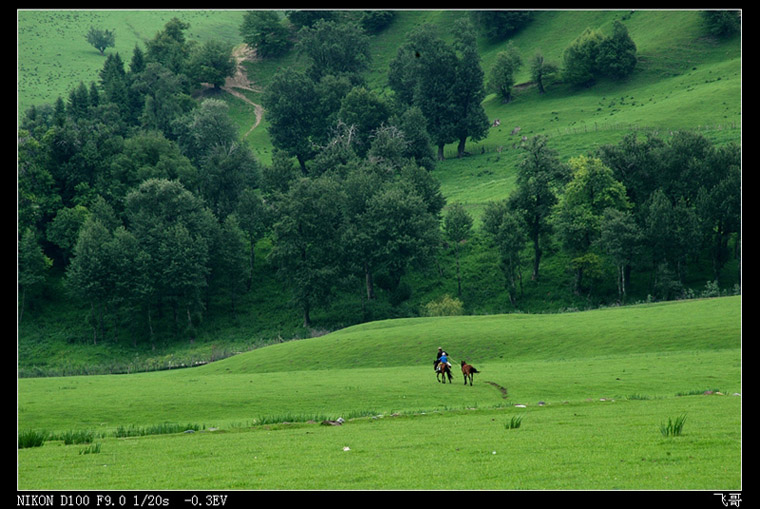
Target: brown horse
468 372
441 370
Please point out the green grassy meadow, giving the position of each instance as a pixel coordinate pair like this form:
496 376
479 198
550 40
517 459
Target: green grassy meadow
53 55
591 388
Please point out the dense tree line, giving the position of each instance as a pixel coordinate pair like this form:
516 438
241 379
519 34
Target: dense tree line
152 206
137 191
656 206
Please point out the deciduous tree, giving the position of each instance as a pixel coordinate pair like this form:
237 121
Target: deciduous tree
307 226
578 214
266 33
540 175
507 232
502 76
457 225
101 39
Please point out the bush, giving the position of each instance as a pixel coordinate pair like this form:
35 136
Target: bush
445 306
593 55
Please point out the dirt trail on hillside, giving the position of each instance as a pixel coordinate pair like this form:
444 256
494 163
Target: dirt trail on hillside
240 81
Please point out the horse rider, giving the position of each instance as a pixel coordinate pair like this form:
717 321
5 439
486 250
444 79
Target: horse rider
442 357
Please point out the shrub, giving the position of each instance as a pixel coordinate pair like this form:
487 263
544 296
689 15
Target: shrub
445 306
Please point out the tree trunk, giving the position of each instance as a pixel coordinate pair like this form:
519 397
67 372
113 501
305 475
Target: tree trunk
536 258
150 330
306 315
460 147
369 283
302 163
21 306
252 263
190 326
459 276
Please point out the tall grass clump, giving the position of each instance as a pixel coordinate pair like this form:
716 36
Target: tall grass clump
674 427
77 437
166 428
514 423
31 438
91 449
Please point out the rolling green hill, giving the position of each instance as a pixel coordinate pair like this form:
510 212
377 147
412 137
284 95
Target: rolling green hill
386 350
579 383
507 338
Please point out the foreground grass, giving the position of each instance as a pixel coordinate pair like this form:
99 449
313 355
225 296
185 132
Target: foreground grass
589 445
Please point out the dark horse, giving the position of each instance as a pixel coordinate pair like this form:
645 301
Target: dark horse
468 371
441 370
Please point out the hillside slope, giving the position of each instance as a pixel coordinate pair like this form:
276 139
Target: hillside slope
710 324
684 80
387 366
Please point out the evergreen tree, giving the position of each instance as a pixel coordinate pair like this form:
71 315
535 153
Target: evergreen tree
169 47
89 276
33 266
